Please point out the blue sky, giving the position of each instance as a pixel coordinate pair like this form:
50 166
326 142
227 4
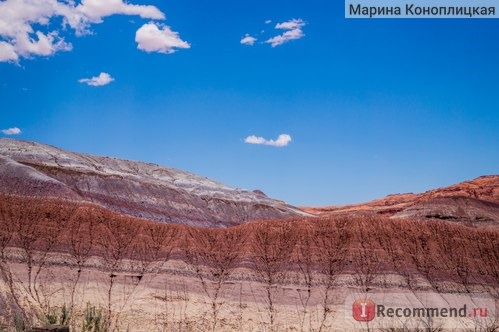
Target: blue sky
373 107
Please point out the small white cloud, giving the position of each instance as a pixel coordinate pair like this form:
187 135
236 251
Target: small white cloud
12 131
102 79
95 10
285 37
268 21
248 40
153 37
255 140
294 31
291 24
282 140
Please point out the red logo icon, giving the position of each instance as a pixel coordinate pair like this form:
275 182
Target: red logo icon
363 310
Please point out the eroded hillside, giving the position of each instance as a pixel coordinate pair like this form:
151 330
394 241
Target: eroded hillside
142 190
67 254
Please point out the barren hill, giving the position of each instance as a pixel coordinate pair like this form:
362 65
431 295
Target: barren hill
137 189
258 276
71 239
475 201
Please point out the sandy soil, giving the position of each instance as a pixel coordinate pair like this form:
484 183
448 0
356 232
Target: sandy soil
173 298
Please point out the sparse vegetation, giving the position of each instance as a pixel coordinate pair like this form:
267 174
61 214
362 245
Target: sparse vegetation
331 238
257 261
93 320
58 316
215 253
272 248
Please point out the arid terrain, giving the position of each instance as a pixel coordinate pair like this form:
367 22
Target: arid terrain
137 189
474 201
103 244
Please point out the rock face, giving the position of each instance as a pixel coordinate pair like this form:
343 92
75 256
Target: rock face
138 189
458 208
475 201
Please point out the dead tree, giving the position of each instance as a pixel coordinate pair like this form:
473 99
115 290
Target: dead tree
214 254
6 226
272 247
453 250
396 249
489 254
366 260
331 238
7 230
29 231
80 235
420 248
117 236
53 222
153 246
37 226
305 259
150 250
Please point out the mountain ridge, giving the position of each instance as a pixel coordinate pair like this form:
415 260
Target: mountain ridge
138 189
153 192
474 200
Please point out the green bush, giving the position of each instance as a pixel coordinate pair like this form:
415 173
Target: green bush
58 318
93 320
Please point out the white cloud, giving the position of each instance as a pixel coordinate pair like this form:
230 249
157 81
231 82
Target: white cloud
44 44
12 131
28 27
285 37
293 31
291 24
7 52
282 140
153 37
95 10
17 34
248 40
268 21
102 79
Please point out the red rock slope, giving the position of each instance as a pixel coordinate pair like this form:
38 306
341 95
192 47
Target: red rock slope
470 201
